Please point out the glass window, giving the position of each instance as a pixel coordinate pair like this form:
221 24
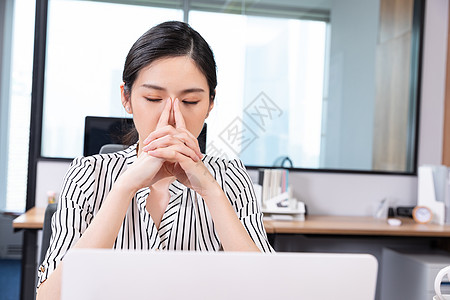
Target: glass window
86 50
270 87
19 101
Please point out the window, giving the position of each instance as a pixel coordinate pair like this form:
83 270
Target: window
271 60
17 106
86 50
270 74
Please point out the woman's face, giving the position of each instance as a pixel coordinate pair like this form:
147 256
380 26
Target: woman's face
169 78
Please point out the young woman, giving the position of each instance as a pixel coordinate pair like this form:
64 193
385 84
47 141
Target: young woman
161 192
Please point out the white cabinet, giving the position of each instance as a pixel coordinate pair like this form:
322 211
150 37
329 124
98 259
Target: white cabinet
408 274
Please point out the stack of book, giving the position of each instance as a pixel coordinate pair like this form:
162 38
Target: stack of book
276 196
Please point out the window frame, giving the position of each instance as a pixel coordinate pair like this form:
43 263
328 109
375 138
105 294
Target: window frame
6 27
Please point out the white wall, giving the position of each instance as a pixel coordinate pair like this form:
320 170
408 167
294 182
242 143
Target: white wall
354 194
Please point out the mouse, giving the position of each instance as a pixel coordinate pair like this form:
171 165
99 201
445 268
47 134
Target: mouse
394 222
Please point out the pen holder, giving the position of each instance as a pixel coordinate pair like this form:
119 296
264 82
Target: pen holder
437 284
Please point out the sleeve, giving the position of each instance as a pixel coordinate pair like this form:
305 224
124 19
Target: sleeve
239 190
72 217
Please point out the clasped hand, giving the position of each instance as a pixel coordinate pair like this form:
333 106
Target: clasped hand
172 151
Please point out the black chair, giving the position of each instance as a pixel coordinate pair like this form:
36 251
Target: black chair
47 230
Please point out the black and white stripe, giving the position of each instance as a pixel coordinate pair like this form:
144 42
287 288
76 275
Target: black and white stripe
185 225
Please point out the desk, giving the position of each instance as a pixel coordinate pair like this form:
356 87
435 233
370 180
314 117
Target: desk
328 225
367 226
33 220
30 222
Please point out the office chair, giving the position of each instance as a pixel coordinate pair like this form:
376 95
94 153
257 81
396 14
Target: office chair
47 230
109 148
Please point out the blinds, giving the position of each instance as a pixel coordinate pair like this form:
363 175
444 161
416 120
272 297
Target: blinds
293 9
270 8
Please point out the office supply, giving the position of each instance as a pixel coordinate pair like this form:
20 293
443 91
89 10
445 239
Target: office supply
275 186
276 196
381 212
296 211
443 274
394 222
422 214
109 274
433 191
404 211
409 274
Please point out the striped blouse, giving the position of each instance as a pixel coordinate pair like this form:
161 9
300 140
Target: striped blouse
185 225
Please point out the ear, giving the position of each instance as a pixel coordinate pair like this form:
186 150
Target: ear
126 99
211 106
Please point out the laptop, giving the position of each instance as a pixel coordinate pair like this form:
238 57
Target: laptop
112 274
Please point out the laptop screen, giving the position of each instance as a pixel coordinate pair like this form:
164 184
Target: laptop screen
113 274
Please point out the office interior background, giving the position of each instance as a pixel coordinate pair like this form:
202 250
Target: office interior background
319 65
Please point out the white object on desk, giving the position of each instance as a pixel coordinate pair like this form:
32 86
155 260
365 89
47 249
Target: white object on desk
394 222
296 211
433 190
109 274
443 274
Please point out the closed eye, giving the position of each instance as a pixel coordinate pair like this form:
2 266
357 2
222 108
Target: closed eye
190 102
153 100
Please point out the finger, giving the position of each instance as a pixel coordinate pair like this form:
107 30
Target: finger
168 135
179 120
159 133
192 142
163 142
164 118
175 153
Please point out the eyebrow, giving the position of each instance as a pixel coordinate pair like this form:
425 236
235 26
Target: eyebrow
159 88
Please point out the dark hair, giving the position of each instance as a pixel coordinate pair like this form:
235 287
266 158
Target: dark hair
168 39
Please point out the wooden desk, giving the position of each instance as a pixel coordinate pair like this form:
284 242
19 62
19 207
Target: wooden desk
327 225
368 226
32 219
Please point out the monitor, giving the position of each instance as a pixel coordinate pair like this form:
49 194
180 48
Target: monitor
99 131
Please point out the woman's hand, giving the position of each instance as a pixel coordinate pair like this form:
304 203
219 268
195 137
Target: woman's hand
147 169
181 153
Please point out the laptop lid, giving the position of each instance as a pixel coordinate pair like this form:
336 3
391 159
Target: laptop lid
112 274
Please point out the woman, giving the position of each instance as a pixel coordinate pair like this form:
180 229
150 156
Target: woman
161 192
